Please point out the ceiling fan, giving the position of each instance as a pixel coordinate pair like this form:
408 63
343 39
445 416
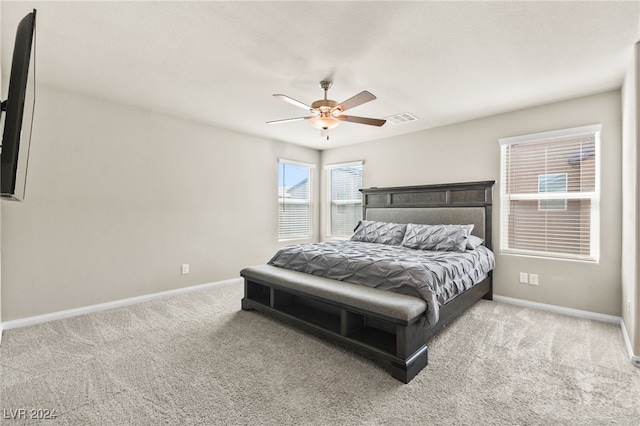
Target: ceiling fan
327 113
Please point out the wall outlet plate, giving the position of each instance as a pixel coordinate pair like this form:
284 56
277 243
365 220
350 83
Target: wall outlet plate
533 279
524 278
185 268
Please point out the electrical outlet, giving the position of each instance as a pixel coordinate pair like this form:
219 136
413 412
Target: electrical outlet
185 268
524 278
533 279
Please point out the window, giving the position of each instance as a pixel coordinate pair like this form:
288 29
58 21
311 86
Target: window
345 198
294 200
550 194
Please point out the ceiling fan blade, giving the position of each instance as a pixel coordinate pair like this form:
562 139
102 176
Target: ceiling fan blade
294 102
362 120
286 120
356 100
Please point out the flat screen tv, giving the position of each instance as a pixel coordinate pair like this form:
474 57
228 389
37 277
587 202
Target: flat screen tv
13 158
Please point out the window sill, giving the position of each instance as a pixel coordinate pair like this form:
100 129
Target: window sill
549 257
286 240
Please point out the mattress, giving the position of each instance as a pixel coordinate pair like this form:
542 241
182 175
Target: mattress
437 277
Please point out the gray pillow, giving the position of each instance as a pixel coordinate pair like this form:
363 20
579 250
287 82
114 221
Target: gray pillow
474 242
379 232
437 237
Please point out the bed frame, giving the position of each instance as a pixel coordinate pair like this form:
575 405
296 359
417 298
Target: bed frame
386 327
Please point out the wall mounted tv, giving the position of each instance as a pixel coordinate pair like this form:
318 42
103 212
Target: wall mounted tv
14 158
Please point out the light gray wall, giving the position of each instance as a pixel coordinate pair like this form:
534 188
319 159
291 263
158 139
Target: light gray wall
631 202
469 151
118 198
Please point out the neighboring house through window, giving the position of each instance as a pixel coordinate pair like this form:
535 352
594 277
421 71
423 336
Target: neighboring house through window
550 194
294 200
552 182
344 182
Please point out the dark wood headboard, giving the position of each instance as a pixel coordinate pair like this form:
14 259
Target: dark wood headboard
454 203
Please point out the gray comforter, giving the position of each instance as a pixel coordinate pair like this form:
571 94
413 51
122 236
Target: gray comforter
435 276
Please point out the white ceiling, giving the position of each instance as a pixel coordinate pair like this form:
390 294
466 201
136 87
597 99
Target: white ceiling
220 62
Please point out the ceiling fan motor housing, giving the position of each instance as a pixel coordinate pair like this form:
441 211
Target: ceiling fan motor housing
324 105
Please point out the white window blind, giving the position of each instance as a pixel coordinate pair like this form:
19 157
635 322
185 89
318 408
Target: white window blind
345 198
550 194
294 200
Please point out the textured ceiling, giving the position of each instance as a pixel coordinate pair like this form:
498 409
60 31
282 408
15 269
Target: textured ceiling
219 62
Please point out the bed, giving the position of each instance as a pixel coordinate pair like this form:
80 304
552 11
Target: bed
373 294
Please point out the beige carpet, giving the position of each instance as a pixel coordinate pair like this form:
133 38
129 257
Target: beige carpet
198 359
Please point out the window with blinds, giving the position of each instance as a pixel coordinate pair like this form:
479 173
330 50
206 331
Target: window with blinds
550 194
345 198
294 200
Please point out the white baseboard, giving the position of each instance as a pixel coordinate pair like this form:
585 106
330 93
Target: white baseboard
24 322
559 309
635 360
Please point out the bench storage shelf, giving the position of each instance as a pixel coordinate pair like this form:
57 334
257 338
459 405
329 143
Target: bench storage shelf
388 330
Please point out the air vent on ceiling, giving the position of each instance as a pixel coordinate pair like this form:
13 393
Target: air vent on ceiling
403 117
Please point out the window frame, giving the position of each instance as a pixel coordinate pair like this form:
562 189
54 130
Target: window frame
592 196
330 202
309 201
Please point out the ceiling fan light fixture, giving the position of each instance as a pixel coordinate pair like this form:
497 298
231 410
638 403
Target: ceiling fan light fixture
324 122
327 113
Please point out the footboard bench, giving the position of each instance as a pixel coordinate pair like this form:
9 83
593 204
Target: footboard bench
386 327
